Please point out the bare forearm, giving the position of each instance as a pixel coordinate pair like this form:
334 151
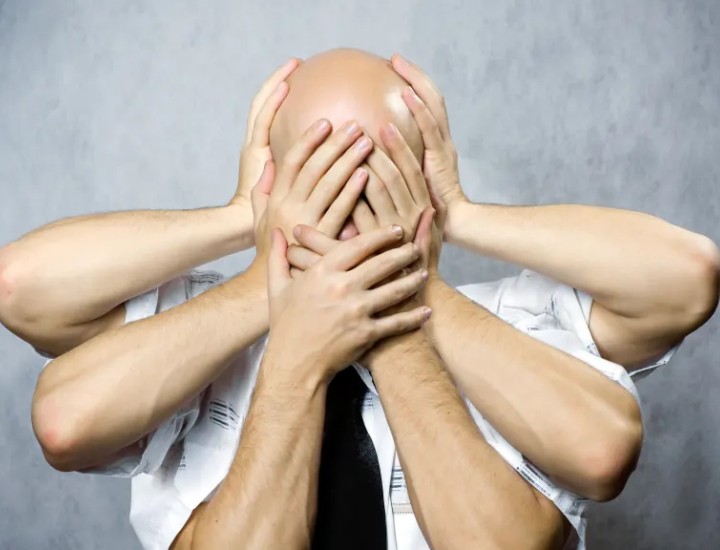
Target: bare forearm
113 389
268 500
462 492
626 260
573 422
77 269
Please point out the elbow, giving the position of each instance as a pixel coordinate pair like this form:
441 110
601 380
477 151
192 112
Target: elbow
14 311
609 461
8 277
58 434
703 280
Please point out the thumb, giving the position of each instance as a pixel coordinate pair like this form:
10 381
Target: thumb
261 190
439 206
278 268
423 234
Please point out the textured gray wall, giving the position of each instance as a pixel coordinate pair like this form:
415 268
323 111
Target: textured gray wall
118 105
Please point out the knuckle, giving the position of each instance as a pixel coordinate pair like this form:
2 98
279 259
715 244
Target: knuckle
357 309
294 158
339 288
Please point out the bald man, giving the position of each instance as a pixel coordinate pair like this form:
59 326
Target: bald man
485 428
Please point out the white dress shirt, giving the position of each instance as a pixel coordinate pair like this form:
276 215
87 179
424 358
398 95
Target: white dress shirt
188 455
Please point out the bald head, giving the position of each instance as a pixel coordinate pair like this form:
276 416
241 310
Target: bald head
342 85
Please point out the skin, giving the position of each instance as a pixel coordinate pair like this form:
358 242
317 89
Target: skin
60 418
529 390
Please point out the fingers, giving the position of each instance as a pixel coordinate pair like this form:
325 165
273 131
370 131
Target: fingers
341 208
267 101
338 174
277 265
348 231
407 164
392 179
299 154
382 266
425 89
378 198
260 134
350 253
301 258
363 217
395 291
400 323
326 155
428 125
314 240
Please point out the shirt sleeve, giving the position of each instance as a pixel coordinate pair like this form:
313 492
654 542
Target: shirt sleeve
149 453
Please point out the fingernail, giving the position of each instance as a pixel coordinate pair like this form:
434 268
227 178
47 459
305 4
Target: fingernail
427 312
361 174
363 144
297 231
415 249
397 230
424 274
322 125
351 127
391 130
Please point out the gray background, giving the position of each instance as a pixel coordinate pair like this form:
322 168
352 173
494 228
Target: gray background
119 105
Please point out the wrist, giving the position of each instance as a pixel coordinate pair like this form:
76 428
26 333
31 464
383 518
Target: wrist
459 211
434 287
291 374
239 220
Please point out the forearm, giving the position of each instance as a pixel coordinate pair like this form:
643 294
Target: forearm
268 499
573 422
77 269
463 493
626 260
113 389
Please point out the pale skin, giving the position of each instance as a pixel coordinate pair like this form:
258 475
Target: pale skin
626 319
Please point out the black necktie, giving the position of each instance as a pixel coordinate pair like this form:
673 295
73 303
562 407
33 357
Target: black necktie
350 509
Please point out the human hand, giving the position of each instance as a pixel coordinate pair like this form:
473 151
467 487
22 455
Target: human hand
427 105
256 148
318 183
402 182
324 320
396 191
400 196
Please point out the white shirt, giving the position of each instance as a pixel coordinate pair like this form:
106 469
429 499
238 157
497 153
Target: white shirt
189 454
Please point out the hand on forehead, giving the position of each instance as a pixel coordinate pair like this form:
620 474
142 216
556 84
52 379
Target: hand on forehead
342 85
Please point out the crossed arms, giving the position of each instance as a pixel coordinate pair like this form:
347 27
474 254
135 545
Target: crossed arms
74 310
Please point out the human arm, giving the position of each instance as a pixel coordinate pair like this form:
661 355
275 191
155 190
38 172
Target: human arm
579 426
462 492
319 323
652 282
66 282
576 424
126 378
